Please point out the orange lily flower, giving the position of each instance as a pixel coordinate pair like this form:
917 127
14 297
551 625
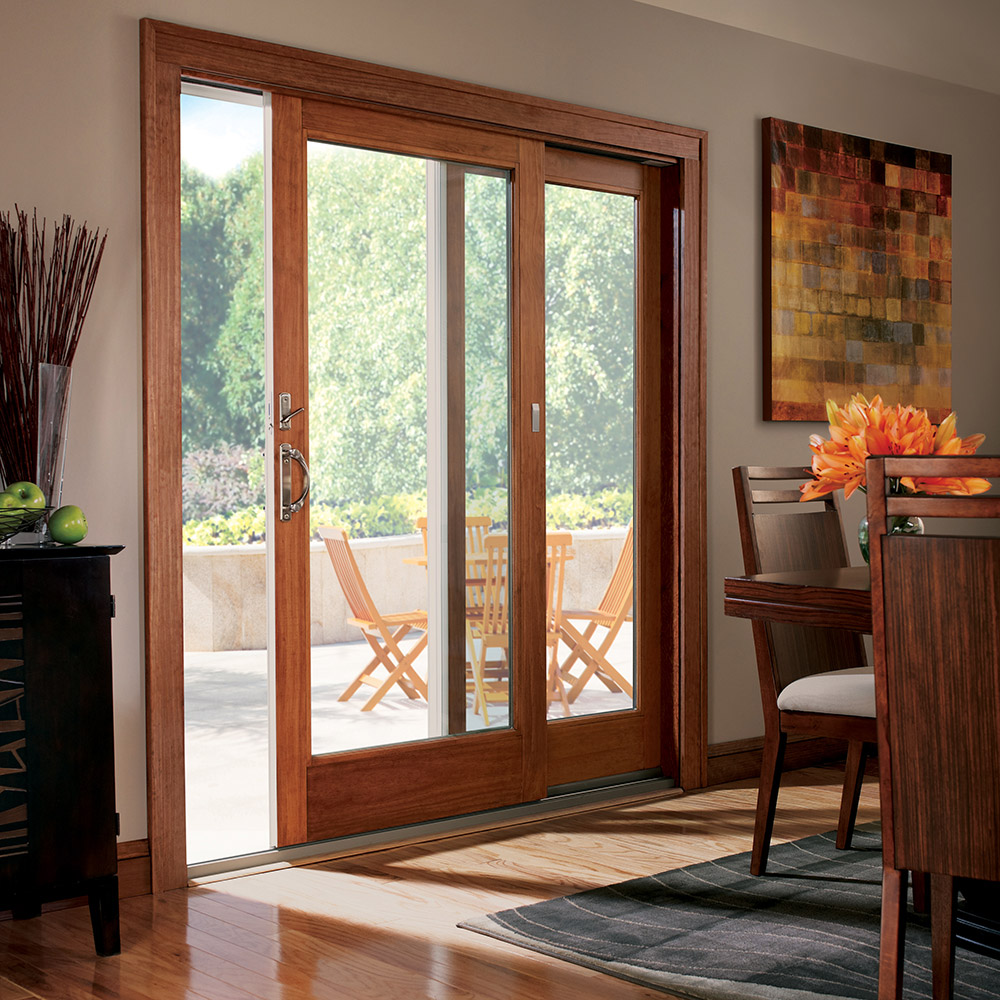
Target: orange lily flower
863 428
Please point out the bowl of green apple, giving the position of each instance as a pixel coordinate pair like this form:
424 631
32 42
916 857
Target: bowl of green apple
22 506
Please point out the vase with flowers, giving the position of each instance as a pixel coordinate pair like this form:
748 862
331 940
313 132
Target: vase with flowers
863 428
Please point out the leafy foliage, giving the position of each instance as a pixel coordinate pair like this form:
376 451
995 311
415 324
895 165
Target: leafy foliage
368 405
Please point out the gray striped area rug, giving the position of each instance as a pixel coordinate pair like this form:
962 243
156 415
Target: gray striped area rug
809 928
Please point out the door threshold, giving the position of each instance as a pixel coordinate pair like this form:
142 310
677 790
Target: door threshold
564 800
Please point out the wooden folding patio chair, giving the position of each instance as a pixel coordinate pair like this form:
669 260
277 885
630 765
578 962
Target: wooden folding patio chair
383 632
557 554
614 609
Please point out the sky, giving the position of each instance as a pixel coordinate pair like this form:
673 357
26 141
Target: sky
217 136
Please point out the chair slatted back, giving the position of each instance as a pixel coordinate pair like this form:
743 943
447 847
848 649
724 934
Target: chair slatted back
618 595
936 620
422 528
781 534
557 553
494 606
476 529
348 575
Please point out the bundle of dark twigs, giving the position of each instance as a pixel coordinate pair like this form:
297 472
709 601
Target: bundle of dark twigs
44 295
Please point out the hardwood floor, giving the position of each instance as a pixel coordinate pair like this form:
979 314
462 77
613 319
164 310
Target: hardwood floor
383 924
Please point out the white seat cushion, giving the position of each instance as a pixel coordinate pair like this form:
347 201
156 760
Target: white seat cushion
835 692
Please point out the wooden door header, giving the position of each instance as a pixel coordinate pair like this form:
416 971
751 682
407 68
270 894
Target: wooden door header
211 54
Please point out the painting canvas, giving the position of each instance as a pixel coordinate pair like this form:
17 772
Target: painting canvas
857 285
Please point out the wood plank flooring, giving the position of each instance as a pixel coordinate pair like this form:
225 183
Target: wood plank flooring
382 926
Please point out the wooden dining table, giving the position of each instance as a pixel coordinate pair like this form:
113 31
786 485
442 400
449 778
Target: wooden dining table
834 598
841 598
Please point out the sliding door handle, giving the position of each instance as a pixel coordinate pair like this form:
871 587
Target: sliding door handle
288 505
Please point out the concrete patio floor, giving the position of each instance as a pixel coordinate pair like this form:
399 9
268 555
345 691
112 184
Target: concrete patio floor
226 734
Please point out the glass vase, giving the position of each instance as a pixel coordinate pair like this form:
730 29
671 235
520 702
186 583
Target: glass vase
53 425
897 526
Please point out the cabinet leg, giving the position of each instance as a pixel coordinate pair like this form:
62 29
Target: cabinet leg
25 905
103 899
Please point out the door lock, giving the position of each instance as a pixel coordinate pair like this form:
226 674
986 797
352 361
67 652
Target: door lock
285 411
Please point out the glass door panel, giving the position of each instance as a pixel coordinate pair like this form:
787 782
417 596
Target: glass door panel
408 329
223 473
591 254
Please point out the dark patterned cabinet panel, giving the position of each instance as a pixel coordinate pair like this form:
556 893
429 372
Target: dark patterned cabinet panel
57 794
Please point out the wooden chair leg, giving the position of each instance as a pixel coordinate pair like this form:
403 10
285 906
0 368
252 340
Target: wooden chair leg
893 934
942 936
595 658
767 799
556 686
398 672
854 773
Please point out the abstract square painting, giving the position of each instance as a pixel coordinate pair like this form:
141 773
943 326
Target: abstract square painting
857 260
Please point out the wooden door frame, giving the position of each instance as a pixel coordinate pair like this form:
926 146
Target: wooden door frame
675 564
594 746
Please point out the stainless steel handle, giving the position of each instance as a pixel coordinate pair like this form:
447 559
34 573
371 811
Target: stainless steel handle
536 418
288 505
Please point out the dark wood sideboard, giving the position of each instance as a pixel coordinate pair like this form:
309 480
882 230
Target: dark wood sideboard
58 825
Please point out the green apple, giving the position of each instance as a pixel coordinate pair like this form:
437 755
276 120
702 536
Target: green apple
27 494
8 500
68 525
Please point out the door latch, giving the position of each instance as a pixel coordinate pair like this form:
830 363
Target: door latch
285 411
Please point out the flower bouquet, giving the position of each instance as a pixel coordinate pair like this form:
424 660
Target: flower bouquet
863 428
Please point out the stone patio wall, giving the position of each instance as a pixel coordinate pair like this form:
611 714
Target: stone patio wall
225 603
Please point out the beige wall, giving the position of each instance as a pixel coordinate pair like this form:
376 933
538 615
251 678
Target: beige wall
70 116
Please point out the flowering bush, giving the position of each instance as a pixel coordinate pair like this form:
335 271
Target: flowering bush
860 429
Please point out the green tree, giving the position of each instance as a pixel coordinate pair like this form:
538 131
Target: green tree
367 323
487 331
239 354
367 317
208 274
589 340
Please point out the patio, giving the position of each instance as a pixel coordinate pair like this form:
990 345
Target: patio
226 733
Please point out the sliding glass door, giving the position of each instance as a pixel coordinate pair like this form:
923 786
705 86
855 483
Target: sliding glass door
412 516
392 380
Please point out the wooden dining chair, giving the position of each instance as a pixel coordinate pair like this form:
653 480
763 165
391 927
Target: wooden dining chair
813 681
936 630
486 628
383 632
612 611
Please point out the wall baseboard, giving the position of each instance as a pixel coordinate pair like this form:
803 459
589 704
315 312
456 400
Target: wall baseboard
133 877
134 871
739 759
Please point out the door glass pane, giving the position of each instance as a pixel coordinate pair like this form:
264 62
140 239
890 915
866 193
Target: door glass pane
408 386
222 488
590 333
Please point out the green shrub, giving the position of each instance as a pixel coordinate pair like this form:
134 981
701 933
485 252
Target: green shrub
397 515
376 518
573 512
242 527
